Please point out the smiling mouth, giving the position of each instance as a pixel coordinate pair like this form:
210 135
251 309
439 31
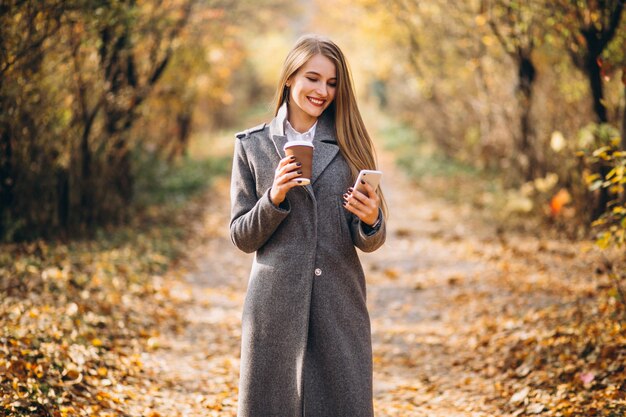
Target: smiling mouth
316 101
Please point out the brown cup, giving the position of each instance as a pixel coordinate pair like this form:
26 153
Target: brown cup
303 151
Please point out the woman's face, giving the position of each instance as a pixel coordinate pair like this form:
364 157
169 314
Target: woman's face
312 88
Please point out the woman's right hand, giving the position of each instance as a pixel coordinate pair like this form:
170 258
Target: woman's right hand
287 170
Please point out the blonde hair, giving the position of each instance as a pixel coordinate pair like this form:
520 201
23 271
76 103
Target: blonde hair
354 142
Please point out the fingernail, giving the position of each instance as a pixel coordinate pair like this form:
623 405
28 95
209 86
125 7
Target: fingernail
299 164
345 195
299 172
362 181
350 189
292 157
344 204
299 181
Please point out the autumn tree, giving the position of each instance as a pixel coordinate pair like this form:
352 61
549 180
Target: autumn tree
589 27
442 52
518 27
25 29
76 81
135 48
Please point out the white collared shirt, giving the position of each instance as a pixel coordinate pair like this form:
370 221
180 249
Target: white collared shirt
292 134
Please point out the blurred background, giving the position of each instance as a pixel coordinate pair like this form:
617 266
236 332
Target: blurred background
117 124
110 107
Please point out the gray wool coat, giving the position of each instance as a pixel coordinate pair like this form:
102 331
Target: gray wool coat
306 342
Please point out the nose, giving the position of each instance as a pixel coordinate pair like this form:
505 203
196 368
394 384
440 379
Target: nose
323 90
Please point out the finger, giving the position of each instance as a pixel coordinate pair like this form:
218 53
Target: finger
290 167
348 207
289 185
362 202
288 176
286 160
359 196
288 179
368 190
294 183
371 192
363 211
354 210
368 205
364 207
362 215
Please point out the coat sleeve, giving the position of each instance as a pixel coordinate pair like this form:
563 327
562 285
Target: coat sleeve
365 242
253 220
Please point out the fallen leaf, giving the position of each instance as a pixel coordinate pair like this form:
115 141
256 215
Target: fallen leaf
535 408
586 377
520 396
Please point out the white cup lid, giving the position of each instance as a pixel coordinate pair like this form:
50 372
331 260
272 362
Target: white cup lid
298 143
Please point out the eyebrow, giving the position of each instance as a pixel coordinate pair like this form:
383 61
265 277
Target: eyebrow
319 75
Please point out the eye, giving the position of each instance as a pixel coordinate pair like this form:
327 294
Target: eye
311 79
333 85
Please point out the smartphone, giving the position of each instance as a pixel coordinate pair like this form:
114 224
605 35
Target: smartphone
370 176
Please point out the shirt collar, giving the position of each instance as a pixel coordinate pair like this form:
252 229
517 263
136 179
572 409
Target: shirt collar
291 132
325 125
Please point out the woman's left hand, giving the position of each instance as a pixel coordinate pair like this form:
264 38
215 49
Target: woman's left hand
363 205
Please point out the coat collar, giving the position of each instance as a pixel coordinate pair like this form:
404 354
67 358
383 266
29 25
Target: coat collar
325 141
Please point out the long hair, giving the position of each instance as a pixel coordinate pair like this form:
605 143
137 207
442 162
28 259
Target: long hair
354 142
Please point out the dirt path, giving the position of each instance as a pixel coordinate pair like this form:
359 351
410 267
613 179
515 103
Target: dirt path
414 286
424 286
414 283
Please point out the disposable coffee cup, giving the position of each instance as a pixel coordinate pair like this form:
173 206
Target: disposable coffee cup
303 151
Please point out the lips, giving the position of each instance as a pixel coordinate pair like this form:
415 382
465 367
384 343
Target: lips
316 101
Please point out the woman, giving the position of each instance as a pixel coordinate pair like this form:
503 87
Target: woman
306 342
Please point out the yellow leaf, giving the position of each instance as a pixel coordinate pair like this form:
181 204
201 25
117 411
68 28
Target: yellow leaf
601 152
480 20
96 342
392 273
488 40
39 371
604 240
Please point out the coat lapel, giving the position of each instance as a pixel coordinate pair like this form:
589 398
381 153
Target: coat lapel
277 130
325 145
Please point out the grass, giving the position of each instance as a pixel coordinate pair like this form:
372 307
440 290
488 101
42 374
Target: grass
446 177
161 183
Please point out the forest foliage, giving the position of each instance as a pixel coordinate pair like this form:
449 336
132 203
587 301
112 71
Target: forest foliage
89 89
525 89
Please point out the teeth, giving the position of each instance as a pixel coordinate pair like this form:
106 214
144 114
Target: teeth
316 101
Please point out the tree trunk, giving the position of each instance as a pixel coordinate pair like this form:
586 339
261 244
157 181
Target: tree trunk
63 198
86 184
124 180
6 177
624 117
183 123
595 83
118 123
526 77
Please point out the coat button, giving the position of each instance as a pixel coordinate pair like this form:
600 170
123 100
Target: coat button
318 272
